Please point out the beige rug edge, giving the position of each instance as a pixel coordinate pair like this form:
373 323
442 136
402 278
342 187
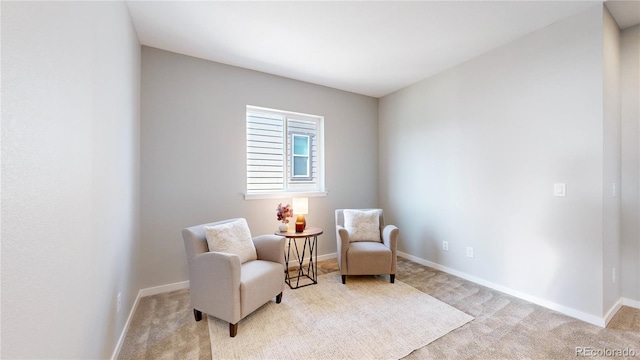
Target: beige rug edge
312 322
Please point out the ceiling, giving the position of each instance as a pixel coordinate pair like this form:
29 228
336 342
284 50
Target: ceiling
626 12
371 48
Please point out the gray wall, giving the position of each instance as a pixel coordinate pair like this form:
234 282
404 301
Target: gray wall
193 153
470 156
467 156
611 165
70 177
630 76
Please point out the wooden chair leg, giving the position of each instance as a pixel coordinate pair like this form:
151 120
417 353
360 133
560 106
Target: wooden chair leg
393 278
233 329
344 279
197 314
279 298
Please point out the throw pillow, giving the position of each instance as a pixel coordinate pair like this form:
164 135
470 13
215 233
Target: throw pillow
232 237
362 225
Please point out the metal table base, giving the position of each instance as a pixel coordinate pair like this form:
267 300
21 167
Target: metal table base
307 272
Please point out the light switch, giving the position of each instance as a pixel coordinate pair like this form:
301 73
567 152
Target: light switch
559 189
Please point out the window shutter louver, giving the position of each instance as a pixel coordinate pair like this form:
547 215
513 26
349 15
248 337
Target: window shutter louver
265 152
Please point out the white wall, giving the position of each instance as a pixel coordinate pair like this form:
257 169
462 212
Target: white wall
470 156
70 177
630 77
611 165
194 160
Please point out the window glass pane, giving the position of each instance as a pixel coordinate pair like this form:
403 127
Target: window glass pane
300 166
301 145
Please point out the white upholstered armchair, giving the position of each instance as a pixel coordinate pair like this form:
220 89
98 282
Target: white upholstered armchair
365 245
232 282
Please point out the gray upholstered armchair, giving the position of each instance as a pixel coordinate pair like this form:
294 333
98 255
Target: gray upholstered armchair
369 253
224 287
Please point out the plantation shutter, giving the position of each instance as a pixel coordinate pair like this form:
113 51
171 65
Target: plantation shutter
284 151
265 152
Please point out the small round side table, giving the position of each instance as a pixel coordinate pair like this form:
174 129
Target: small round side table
305 271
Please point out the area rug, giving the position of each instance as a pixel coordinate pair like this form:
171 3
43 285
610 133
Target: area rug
368 318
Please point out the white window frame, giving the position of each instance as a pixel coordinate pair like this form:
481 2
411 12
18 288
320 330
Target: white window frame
309 156
292 186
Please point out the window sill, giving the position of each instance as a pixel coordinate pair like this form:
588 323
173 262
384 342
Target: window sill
284 195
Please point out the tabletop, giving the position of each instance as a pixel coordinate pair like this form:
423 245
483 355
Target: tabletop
310 231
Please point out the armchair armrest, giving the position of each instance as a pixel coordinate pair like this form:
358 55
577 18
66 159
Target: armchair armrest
214 283
270 247
390 237
342 237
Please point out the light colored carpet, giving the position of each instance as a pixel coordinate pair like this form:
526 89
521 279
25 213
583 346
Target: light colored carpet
368 318
163 327
504 327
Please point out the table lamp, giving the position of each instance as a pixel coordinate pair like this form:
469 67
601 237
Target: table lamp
301 207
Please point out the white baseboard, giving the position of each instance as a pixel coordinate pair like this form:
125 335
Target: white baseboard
294 263
116 351
614 309
164 288
580 315
631 303
328 256
620 303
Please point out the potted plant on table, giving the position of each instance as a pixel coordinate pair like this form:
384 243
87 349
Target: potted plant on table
283 213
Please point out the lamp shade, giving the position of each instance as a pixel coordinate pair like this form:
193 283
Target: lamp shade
300 206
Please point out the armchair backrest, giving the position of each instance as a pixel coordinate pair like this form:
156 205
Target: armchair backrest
195 240
340 217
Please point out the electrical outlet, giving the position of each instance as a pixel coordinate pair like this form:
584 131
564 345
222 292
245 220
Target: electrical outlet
118 303
560 189
613 189
613 276
469 251
445 245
